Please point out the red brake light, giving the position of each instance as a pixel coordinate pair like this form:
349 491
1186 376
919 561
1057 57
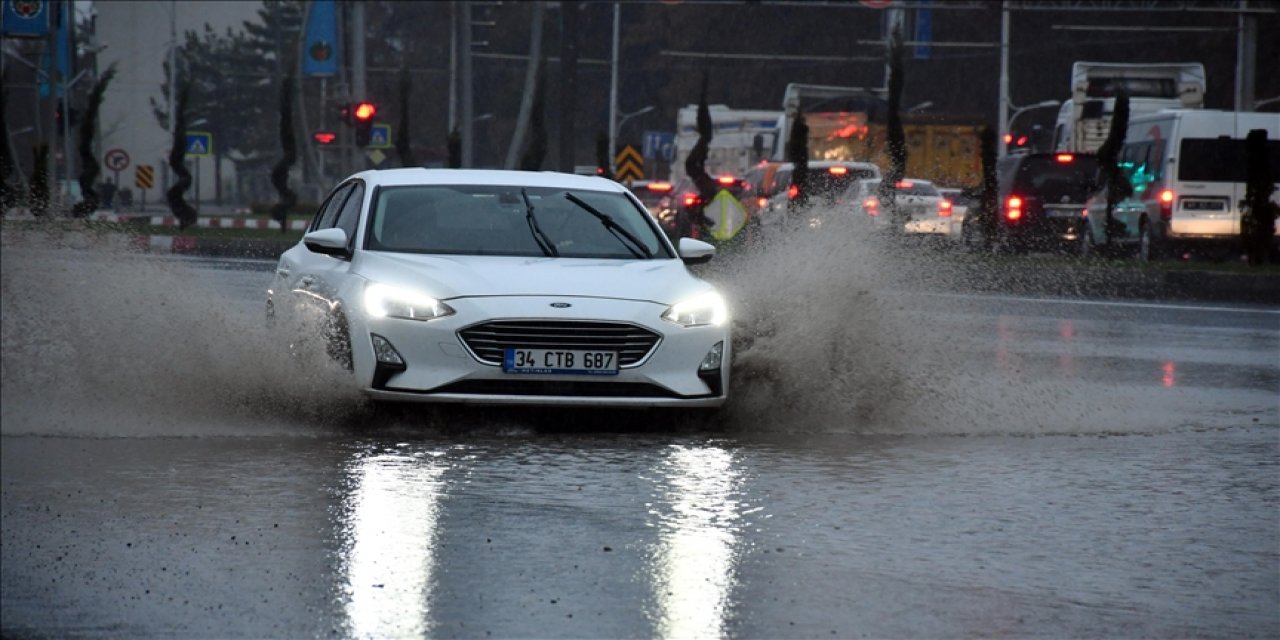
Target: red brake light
660 186
762 202
1166 203
1064 158
944 208
792 192
726 180
904 184
871 205
690 199
324 137
1013 208
1022 141
1008 138
838 171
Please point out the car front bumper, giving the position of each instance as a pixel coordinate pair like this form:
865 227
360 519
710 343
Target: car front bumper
440 367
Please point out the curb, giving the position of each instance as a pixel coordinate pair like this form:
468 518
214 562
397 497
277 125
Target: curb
213 247
210 222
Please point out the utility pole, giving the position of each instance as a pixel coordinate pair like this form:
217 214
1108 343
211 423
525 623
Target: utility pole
468 106
568 81
1003 126
1246 57
613 88
453 66
173 82
358 86
530 86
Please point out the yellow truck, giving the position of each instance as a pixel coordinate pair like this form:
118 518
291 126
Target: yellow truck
848 123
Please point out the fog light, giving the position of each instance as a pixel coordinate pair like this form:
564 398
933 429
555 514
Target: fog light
711 361
384 352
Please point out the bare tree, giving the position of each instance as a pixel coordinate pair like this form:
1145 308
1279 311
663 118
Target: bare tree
89 168
184 212
289 146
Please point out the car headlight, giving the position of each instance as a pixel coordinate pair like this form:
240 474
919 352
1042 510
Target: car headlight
383 301
706 309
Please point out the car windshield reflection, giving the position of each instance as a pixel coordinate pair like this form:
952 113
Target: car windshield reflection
494 220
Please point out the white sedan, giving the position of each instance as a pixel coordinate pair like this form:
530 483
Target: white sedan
503 287
924 209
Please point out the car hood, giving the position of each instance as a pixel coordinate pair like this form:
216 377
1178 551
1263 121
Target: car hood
447 277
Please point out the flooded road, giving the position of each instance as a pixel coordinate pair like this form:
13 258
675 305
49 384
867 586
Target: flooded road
894 464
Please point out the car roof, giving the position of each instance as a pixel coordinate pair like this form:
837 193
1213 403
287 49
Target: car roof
497 177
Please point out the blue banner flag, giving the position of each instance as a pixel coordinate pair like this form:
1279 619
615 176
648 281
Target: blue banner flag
924 30
25 18
320 57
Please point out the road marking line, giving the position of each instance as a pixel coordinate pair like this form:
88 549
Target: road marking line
1102 303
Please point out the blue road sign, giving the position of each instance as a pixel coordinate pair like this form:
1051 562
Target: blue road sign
199 144
659 145
380 136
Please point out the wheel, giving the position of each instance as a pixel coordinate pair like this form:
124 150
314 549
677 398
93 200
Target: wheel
1084 246
1145 252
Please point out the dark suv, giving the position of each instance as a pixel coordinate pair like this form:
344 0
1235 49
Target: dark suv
1041 199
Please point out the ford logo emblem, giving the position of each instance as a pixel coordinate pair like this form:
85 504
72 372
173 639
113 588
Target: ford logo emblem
561 305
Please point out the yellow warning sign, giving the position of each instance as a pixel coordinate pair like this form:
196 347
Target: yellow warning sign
630 164
144 177
727 216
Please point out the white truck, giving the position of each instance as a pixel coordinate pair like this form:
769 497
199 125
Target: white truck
1085 119
741 138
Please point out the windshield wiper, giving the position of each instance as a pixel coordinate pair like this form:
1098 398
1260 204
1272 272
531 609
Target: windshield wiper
538 236
628 240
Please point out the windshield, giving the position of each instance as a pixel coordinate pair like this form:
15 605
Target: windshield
495 220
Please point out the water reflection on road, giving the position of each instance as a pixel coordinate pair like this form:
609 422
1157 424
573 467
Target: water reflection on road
699 522
388 533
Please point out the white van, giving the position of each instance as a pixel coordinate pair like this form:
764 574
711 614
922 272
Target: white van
1188 173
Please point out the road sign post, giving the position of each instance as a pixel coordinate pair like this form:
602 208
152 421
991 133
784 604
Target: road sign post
143 178
116 160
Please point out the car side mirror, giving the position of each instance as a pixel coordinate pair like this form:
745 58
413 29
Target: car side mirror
695 251
330 242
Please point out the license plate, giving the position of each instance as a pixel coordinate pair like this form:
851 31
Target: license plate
1204 205
590 363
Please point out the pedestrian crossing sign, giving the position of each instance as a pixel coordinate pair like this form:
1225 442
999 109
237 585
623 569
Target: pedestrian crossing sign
199 144
380 136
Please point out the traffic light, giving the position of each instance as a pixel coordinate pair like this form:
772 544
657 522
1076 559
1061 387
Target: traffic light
362 114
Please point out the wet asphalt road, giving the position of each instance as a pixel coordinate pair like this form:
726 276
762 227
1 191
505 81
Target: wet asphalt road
1071 469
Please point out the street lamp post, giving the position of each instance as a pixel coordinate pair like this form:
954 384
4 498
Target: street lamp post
613 132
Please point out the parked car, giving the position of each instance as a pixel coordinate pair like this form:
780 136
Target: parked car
923 208
1040 201
503 287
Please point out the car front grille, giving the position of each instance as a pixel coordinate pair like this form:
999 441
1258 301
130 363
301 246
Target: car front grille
490 340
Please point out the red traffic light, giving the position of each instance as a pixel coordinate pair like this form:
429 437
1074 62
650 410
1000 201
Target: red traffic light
365 111
324 137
